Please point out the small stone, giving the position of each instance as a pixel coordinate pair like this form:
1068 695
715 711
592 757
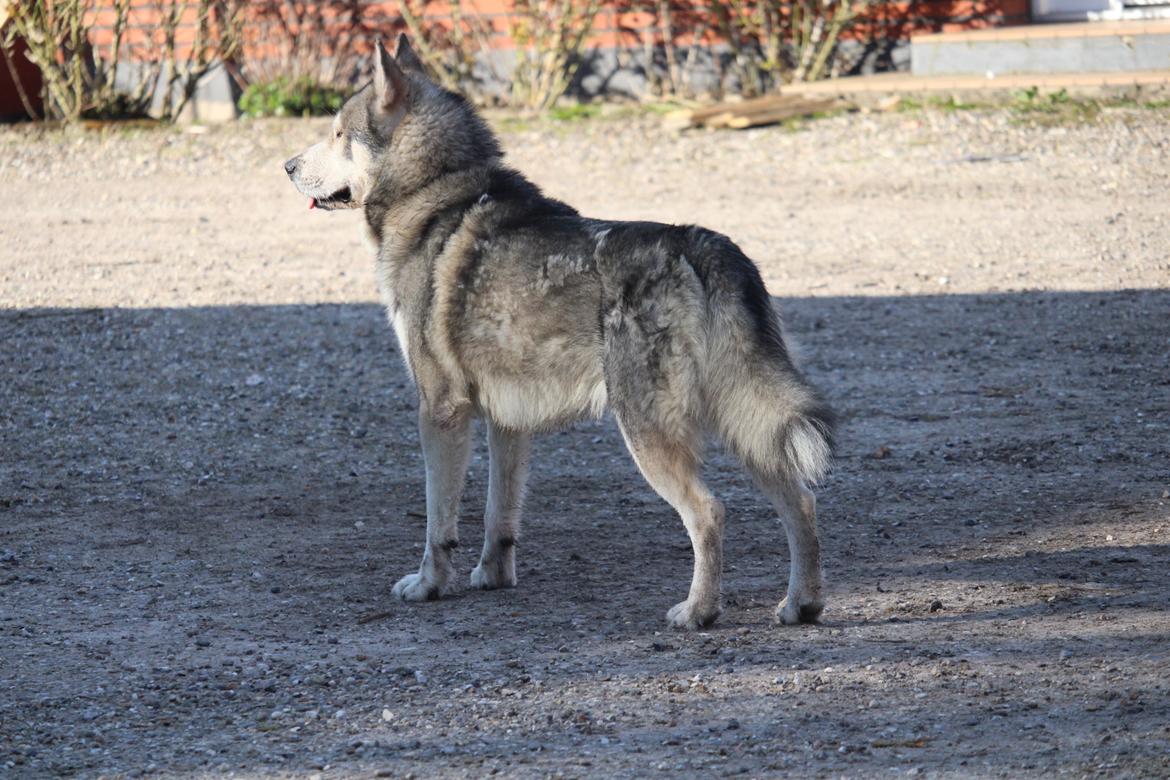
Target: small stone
253 380
936 605
387 715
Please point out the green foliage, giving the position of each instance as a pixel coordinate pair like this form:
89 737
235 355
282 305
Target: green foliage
574 111
285 97
1030 99
948 103
1056 108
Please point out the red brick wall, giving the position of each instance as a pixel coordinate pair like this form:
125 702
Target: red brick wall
615 25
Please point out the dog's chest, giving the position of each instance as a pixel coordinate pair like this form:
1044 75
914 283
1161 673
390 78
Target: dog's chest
397 311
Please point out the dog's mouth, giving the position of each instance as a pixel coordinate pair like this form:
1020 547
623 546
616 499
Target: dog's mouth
342 199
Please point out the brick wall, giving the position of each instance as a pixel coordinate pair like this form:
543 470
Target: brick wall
357 22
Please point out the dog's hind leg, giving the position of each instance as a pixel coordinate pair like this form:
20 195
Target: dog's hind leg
797 507
672 469
446 450
508 472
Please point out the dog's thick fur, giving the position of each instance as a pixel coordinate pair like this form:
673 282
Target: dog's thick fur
510 306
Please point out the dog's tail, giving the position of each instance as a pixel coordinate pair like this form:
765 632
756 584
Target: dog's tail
755 397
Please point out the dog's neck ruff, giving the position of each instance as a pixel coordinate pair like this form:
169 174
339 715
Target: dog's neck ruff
401 218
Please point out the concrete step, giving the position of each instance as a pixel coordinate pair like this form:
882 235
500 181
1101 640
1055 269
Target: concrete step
1147 82
1082 47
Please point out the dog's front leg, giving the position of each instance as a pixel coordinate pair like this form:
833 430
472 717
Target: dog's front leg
446 449
501 521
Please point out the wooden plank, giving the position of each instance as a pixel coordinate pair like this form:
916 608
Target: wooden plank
749 113
803 108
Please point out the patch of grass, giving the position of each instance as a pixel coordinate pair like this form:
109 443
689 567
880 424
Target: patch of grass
560 118
511 123
1056 108
908 104
937 103
575 112
1156 105
660 108
950 103
282 97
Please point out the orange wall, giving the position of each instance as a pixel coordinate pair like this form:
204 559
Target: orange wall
616 25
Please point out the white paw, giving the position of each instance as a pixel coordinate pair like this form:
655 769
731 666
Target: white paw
416 587
492 576
793 611
686 616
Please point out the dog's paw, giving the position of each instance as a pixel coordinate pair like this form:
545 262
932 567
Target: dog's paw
689 617
416 587
794 611
490 575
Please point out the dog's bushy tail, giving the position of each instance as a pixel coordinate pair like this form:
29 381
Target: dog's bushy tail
755 397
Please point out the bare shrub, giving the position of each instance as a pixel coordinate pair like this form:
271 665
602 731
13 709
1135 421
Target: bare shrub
218 27
78 78
549 35
457 54
306 42
777 41
81 78
665 76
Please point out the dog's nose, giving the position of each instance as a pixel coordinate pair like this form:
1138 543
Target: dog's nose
290 167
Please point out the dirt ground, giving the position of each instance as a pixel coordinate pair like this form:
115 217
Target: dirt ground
210 478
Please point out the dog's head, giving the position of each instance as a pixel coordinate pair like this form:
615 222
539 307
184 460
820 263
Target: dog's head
392 136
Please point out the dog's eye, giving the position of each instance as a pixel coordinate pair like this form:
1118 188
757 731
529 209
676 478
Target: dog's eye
337 134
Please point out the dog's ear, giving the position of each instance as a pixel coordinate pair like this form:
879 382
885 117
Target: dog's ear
390 85
406 57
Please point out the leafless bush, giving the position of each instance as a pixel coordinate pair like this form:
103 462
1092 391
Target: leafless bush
458 54
78 78
674 19
297 40
549 35
81 78
778 41
218 36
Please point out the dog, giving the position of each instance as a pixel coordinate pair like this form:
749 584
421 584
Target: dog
511 307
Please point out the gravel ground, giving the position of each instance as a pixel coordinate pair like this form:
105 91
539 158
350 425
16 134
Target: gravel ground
210 476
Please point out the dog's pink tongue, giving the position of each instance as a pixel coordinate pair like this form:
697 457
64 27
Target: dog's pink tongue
312 203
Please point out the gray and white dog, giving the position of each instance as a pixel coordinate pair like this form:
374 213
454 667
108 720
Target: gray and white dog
511 307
